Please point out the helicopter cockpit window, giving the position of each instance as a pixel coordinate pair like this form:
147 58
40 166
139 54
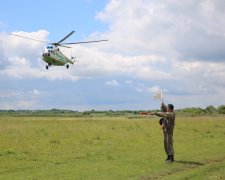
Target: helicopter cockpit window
49 47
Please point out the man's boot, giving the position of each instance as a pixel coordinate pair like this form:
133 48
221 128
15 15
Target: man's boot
171 158
168 158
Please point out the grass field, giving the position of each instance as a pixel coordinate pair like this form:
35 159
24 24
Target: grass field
110 148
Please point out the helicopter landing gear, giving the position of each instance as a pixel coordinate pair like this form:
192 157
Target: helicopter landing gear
67 66
47 66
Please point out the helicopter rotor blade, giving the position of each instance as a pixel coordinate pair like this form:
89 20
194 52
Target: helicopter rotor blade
59 43
63 39
83 42
30 38
63 46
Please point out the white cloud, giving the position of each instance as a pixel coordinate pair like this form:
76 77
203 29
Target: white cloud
129 82
191 29
188 37
8 94
26 104
16 46
17 99
35 92
17 61
112 83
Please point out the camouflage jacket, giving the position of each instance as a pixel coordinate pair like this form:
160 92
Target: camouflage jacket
169 117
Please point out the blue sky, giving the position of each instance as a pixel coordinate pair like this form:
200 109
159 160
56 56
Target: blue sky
177 47
59 18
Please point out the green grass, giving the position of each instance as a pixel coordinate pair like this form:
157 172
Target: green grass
109 148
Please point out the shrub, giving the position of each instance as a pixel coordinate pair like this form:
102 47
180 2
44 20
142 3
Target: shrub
221 109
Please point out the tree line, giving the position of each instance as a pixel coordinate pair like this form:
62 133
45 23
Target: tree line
63 112
201 111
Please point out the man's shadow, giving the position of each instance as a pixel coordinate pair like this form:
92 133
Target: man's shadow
190 163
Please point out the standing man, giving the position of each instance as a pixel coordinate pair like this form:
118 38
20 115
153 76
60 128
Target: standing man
168 126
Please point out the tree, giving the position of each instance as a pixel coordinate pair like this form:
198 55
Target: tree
195 111
221 109
210 109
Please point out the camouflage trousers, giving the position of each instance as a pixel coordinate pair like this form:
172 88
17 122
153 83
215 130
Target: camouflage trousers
168 141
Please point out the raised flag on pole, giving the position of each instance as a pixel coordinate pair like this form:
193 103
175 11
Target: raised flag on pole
158 95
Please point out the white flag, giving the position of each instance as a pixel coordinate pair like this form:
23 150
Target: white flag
158 95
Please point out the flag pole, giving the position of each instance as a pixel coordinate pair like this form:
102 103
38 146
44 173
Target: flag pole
162 96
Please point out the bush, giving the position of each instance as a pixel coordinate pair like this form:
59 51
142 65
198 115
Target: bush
221 109
211 109
195 111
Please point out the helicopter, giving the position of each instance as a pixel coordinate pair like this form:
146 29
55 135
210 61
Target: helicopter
52 54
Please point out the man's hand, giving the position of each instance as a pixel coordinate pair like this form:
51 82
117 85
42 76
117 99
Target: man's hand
163 107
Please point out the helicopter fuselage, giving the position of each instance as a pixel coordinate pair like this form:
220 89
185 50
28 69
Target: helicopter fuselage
53 56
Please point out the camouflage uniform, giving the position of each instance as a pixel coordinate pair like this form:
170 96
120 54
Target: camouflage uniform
169 118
